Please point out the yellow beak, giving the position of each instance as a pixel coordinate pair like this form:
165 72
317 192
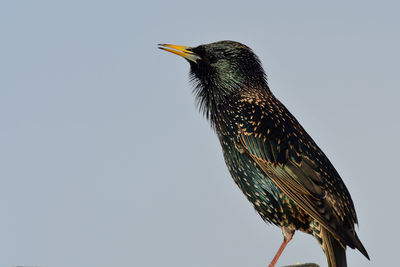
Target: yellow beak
183 51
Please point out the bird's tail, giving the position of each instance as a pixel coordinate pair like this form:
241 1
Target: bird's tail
334 251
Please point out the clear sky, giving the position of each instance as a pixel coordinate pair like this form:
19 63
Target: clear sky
105 161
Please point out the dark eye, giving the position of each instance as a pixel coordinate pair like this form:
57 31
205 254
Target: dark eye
208 58
212 59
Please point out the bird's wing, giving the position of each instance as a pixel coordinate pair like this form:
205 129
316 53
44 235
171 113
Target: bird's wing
291 159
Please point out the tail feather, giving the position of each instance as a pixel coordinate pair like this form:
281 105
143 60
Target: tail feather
356 243
334 251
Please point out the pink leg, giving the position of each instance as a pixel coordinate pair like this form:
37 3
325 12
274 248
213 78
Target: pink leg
282 247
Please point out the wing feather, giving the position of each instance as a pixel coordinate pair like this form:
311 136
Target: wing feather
291 159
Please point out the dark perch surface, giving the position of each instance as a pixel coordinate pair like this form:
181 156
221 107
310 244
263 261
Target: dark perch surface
303 265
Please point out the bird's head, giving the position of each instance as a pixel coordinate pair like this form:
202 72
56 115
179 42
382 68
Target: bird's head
220 70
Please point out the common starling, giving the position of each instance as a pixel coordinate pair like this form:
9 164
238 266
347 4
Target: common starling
272 159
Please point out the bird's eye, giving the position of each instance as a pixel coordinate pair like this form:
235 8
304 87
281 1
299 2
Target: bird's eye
212 59
207 56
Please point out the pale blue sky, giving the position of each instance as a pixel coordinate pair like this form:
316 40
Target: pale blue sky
105 161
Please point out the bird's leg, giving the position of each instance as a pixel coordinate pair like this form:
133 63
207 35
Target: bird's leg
287 237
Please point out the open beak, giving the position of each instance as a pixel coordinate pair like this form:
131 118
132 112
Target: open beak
183 51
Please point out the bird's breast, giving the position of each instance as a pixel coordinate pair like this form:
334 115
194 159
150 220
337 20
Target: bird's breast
268 200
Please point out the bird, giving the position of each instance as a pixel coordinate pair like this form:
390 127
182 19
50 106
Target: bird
270 156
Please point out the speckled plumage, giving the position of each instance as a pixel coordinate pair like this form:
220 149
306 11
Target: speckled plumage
273 160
